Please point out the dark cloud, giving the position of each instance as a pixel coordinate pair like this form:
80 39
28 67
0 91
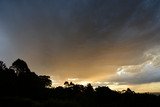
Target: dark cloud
78 38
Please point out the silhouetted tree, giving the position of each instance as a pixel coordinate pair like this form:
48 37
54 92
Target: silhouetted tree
66 84
89 90
103 90
71 84
45 81
7 80
20 66
129 91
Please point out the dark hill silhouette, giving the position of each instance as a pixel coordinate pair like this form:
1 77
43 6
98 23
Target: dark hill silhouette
21 87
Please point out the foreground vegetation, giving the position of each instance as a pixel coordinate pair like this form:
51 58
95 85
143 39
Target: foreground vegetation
19 87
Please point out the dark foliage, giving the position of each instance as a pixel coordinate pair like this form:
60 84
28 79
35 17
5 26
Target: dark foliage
18 80
21 87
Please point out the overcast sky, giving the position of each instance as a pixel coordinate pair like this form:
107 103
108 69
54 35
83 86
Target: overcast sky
105 42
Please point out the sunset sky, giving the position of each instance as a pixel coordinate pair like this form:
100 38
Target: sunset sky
104 42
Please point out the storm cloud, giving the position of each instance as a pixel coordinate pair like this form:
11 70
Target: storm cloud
86 39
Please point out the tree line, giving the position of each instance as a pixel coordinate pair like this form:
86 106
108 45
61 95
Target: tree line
19 86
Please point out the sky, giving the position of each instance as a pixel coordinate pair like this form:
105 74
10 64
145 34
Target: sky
103 42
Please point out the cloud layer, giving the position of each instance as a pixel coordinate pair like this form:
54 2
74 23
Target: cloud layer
83 39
